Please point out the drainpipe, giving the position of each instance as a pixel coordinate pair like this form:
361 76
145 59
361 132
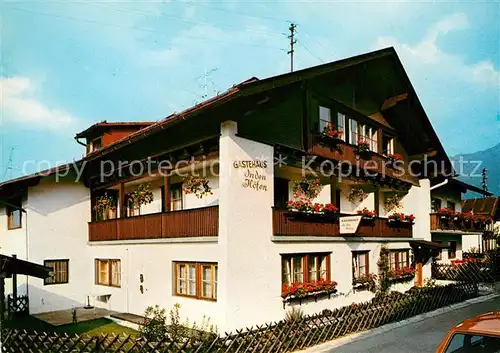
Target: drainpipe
440 184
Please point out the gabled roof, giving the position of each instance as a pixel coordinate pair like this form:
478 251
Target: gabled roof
254 86
105 125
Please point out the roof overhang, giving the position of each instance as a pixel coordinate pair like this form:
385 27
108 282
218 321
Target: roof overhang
10 265
427 244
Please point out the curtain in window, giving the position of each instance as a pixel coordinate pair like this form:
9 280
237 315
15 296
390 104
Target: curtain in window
115 273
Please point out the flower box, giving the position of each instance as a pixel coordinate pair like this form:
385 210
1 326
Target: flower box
312 217
401 220
305 290
393 158
399 223
404 274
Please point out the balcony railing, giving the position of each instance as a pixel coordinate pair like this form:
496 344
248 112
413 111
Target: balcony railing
283 225
198 222
443 223
375 163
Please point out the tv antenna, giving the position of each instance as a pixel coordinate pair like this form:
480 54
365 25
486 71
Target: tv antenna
205 81
9 167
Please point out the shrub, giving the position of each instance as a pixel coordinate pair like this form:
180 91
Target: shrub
294 314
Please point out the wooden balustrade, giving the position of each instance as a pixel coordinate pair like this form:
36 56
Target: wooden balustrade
283 225
375 163
443 223
197 222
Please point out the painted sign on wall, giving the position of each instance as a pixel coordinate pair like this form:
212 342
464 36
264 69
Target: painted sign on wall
254 175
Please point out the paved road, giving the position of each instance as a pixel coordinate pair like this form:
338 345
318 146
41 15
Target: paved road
423 336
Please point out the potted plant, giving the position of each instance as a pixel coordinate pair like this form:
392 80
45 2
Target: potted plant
392 201
105 207
368 281
329 133
446 213
392 158
363 147
142 195
301 204
303 208
304 290
357 195
401 218
402 274
367 214
308 187
196 185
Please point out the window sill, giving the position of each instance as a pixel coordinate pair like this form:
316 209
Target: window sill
195 297
53 284
14 228
107 285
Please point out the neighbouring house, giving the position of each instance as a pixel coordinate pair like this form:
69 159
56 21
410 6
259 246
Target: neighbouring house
458 228
279 192
487 208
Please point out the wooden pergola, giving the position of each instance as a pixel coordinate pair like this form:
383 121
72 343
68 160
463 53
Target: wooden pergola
10 267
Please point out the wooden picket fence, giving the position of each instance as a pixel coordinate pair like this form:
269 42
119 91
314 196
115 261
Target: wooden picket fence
280 337
18 305
476 268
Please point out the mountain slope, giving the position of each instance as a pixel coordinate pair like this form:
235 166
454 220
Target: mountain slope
489 159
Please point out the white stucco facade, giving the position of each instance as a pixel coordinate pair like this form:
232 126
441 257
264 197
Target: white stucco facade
246 252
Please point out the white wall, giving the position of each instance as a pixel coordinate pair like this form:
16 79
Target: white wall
155 263
57 226
245 228
189 201
14 242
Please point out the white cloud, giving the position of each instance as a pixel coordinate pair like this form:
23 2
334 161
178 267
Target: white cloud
20 106
427 53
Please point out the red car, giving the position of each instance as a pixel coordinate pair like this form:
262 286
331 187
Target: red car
479 334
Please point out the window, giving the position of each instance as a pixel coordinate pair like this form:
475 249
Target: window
341 121
451 205
363 132
304 268
387 145
440 251
14 213
435 204
461 342
108 272
360 264
96 144
452 250
59 273
353 127
197 280
325 118
280 192
176 197
399 259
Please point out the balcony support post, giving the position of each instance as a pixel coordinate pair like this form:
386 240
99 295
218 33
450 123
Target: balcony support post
121 200
166 192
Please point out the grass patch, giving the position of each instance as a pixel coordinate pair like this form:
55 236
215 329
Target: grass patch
92 327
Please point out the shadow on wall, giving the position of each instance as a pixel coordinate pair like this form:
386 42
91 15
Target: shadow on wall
43 301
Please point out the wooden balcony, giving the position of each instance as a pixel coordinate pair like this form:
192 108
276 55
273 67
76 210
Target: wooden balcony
379 227
450 225
372 162
198 222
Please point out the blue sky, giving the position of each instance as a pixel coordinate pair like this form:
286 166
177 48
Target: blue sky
67 65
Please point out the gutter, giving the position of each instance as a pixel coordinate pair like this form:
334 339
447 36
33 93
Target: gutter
440 184
80 143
